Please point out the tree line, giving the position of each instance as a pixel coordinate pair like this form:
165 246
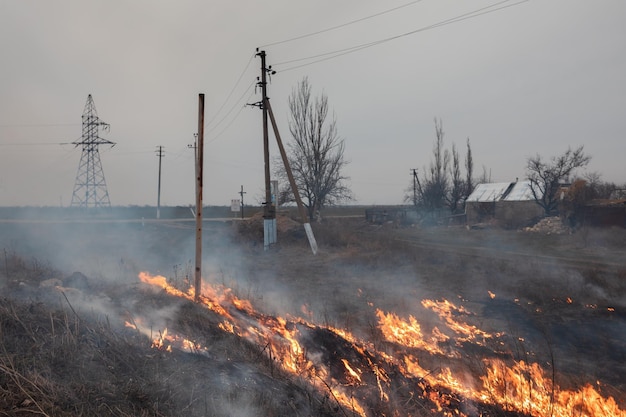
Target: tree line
316 155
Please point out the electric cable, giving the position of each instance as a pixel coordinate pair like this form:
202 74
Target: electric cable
340 26
33 143
40 125
231 91
340 52
214 138
463 16
231 109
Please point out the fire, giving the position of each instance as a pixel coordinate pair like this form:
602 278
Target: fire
352 372
447 311
227 327
278 335
526 389
511 386
409 333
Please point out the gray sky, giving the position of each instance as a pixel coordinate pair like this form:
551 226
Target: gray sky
537 77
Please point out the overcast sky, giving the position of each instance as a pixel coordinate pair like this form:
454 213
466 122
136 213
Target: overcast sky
537 77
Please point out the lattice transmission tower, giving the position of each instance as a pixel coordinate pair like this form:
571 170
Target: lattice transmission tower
90 188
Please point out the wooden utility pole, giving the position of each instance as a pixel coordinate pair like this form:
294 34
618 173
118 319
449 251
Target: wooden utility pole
199 165
292 181
160 155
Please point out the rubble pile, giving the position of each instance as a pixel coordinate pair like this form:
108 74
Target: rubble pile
549 226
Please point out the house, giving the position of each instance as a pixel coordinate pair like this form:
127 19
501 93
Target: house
511 204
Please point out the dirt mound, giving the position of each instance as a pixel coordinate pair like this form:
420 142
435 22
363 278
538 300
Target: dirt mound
253 226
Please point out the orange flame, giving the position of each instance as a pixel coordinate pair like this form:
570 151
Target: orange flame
408 333
513 386
447 310
351 371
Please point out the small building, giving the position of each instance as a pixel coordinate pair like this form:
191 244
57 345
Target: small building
511 204
605 213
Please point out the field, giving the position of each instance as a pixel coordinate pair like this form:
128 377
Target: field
96 319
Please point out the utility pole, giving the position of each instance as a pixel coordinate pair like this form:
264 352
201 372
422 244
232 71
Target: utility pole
269 211
199 165
160 155
414 174
417 187
241 193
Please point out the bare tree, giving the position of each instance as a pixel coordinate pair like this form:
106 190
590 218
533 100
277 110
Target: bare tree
546 176
316 154
433 187
599 188
457 186
435 184
485 177
469 171
442 184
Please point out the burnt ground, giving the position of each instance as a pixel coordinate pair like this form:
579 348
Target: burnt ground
67 288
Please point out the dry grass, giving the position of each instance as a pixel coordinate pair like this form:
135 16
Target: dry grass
59 359
56 360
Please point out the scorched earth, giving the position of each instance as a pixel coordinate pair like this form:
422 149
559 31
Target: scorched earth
384 321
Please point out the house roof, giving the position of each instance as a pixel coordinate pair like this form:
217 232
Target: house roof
501 191
488 192
521 192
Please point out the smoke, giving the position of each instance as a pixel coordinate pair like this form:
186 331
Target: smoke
95 266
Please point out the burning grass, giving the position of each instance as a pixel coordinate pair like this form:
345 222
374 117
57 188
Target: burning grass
58 360
369 327
369 381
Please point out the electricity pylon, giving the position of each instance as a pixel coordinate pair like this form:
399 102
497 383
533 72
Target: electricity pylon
90 188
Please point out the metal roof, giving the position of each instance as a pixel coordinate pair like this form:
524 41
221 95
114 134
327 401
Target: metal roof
488 192
501 191
521 192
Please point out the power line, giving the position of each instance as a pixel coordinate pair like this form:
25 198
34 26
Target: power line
232 108
341 25
231 122
231 92
345 51
34 143
337 53
40 125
